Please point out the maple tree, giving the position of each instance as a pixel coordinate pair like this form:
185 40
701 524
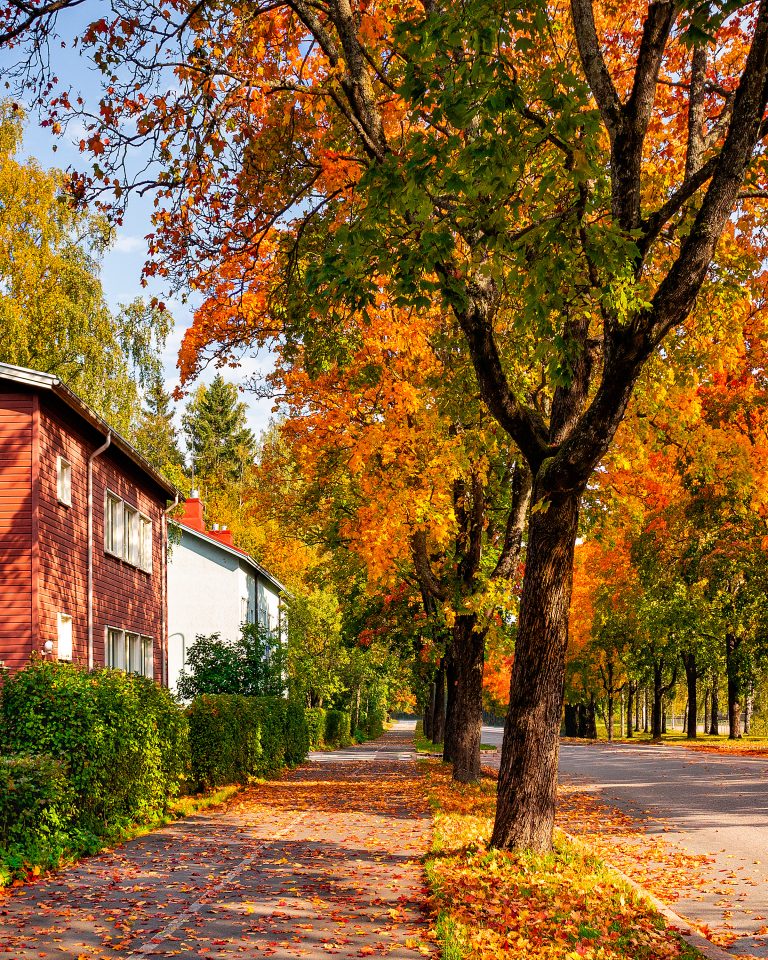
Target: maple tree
563 201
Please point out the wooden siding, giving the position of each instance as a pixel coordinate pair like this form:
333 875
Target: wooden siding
17 513
124 597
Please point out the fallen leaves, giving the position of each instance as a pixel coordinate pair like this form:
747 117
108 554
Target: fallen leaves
505 906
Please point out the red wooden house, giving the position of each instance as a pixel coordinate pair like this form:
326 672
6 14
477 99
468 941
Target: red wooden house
82 534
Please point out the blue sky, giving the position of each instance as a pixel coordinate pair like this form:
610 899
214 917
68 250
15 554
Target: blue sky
122 266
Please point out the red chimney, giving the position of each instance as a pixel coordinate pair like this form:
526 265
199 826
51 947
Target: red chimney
193 513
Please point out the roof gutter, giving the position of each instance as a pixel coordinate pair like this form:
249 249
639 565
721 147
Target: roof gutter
96 453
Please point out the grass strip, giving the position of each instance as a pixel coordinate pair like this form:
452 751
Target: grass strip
495 905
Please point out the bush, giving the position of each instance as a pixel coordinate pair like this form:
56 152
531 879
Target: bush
296 735
36 811
315 717
337 728
121 738
234 738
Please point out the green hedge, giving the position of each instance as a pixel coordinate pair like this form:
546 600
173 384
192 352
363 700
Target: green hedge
337 728
36 810
316 726
296 735
122 739
234 738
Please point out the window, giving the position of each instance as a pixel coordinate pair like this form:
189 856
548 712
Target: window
116 649
130 651
64 481
145 543
127 533
64 636
130 534
113 525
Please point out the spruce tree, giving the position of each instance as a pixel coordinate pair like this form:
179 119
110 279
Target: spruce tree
156 433
218 439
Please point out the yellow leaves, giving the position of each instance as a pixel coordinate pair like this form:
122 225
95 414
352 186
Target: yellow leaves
526 907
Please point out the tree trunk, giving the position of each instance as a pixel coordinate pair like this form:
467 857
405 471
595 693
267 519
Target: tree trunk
468 647
438 717
749 703
645 710
732 644
637 707
706 710
621 714
663 715
714 723
429 712
609 691
571 720
658 696
450 703
631 707
525 809
691 677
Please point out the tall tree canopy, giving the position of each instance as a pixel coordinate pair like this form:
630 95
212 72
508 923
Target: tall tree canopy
220 443
53 313
558 179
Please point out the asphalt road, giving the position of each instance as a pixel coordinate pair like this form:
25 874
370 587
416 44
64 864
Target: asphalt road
705 803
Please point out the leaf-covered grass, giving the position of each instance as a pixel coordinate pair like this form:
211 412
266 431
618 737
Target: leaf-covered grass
425 745
502 906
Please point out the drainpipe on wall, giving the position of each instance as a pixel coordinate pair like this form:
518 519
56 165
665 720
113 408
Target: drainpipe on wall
96 453
164 595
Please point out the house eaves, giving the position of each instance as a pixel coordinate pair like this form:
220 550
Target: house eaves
233 551
47 381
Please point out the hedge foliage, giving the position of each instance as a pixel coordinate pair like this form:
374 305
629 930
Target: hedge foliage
316 726
122 738
234 738
337 728
37 808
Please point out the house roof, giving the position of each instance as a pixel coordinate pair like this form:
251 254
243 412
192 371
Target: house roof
46 381
234 551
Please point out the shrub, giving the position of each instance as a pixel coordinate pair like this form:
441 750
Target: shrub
122 738
272 716
296 735
315 717
337 728
253 665
224 739
234 738
36 810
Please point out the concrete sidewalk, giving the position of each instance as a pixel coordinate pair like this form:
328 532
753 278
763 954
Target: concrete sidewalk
324 862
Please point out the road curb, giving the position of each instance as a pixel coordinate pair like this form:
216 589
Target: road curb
687 930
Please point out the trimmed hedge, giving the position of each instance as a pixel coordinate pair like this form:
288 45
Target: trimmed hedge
296 735
121 738
234 738
337 728
316 726
36 808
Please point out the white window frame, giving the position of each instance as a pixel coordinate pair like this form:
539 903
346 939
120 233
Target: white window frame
129 537
65 645
145 543
113 524
135 651
64 481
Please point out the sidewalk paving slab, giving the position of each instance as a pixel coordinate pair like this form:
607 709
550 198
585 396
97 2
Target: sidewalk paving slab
322 863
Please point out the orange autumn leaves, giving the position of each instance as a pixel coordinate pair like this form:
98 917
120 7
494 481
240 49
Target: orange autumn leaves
563 906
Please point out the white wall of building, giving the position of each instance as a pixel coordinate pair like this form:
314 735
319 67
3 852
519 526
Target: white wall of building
210 590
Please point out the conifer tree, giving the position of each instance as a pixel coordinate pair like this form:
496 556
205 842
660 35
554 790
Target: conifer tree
220 444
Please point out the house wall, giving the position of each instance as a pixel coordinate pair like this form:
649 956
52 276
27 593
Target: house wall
18 440
124 597
206 590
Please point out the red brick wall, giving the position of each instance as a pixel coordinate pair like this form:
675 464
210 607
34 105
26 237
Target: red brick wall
124 597
17 520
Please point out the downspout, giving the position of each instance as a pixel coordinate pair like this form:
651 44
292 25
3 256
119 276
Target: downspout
96 453
164 595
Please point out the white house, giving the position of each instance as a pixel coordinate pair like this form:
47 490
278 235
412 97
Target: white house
213 587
